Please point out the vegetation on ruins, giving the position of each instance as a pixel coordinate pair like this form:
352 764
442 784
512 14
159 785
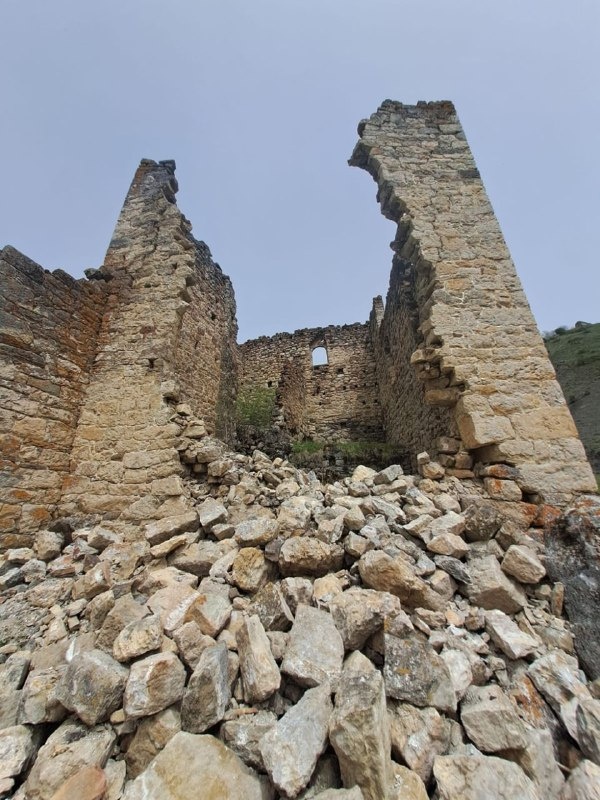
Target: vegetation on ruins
255 407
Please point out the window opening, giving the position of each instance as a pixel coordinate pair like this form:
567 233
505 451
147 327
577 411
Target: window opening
319 357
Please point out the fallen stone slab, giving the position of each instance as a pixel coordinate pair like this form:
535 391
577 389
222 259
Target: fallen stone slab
92 686
290 749
418 735
358 613
207 695
18 746
154 683
359 733
243 736
506 634
151 735
491 720
192 765
386 574
315 650
259 671
416 674
491 588
481 778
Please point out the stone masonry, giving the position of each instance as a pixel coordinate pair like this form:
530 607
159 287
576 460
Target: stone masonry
92 370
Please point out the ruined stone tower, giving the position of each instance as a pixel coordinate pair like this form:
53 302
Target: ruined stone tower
452 364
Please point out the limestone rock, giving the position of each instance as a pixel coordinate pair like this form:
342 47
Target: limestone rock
243 736
160 531
491 720
138 638
481 778
260 674
358 613
490 588
482 522
290 749
386 574
537 761
207 694
359 734
523 564
507 635
250 569
89 783
93 686
270 606
415 673
211 512
18 745
190 643
315 650
556 677
583 783
256 532
70 748
210 611
588 728
407 785
124 611
174 773
306 555
154 683
418 735
40 700
151 735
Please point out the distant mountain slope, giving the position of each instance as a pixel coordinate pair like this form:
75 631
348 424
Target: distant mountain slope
575 354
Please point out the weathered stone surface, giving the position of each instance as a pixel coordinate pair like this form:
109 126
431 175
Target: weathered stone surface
418 735
556 676
70 748
583 783
479 777
272 609
173 775
572 558
138 638
359 733
124 611
256 532
490 588
537 761
491 720
407 784
151 735
243 736
315 649
211 513
190 643
386 574
415 673
210 611
18 745
250 569
482 522
523 564
207 694
290 749
40 700
94 582
358 613
507 635
93 686
154 683
260 674
587 718
340 794
157 532
305 555
89 783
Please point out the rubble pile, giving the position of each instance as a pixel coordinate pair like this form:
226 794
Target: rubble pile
384 637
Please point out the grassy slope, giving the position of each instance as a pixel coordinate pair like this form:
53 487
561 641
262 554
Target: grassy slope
576 358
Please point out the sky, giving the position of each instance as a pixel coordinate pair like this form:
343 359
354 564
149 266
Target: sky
258 102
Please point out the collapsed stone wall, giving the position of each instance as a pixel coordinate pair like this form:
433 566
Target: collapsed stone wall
48 326
162 283
206 348
482 355
341 397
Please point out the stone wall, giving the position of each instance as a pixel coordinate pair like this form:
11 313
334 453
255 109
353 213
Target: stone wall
481 354
48 326
206 349
161 282
341 397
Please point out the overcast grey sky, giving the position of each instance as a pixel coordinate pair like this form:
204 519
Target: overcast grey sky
258 102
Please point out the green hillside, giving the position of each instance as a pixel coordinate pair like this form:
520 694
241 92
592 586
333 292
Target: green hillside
575 353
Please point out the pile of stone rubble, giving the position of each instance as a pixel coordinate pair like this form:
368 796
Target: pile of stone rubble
385 637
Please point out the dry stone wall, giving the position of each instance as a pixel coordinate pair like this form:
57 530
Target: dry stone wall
480 352
161 283
48 326
341 397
